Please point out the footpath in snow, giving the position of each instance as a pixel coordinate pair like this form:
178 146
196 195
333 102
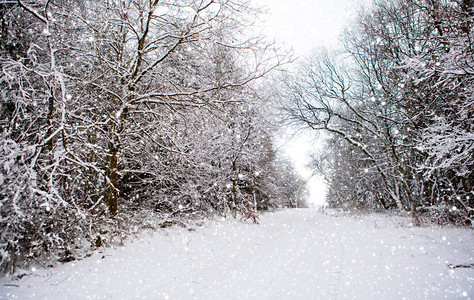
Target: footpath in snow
292 254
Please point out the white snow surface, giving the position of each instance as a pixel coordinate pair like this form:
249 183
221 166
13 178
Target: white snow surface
292 254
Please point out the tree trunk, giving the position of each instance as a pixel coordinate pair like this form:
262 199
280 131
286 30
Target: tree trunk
234 189
111 192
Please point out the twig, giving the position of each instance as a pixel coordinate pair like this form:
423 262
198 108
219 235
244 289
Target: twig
451 266
50 276
60 281
33 12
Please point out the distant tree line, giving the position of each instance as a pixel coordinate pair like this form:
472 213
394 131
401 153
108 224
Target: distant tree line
398 103
114 109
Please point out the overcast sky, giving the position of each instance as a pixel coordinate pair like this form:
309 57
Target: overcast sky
304 25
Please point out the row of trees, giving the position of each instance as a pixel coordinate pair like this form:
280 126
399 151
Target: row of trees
397 100
112 108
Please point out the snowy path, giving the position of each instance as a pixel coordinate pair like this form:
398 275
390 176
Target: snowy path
295 254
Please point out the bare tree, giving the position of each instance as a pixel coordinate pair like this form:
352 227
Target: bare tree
107 100
398 95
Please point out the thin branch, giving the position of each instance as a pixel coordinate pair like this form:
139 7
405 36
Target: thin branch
33 12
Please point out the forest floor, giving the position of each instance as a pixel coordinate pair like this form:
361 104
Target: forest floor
292 254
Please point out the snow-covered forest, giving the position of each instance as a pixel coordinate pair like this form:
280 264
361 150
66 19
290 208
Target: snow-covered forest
113 110
397 100
122 116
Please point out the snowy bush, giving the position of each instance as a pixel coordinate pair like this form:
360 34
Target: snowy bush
442 215
247 210
33 224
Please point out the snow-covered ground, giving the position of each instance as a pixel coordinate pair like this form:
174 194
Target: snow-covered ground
292 254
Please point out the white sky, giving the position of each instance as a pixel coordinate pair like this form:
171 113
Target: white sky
304 25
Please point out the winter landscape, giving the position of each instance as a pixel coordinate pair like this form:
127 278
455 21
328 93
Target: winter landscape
292 254
236 149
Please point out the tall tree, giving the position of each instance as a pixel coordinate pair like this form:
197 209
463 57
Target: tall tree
398 95
102 106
